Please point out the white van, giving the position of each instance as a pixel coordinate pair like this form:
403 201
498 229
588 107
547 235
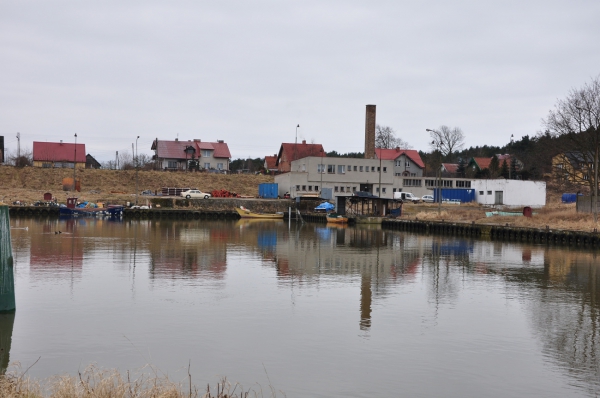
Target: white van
407 197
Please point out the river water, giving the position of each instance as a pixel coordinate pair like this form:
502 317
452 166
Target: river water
307 310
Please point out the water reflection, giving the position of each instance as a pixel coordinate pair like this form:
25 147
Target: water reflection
557 288
7 321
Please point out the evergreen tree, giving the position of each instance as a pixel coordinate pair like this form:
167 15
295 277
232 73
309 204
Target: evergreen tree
504 169
462 167
494 166
513 168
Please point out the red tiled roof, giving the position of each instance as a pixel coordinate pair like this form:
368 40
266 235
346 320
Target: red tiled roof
271 162
299 151
58 152
393 154
483 163
451 167
175 149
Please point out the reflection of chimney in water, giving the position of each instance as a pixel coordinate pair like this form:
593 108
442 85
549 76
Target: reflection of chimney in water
370 132
7 321
365 302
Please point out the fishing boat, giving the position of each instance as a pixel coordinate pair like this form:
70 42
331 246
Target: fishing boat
245 213
336 218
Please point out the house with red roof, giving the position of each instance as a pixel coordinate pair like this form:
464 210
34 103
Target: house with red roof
58 155
290 152
407 162
180 155
450 169
271 164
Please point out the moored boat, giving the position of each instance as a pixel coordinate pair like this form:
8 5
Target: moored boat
110 211
245 213
336 218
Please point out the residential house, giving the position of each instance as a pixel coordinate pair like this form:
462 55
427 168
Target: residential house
407 162
450 169
479 164
290 152
58 155
573 166
180 155
91 162
271 164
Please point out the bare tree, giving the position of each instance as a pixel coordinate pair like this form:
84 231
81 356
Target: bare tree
447 140
25 158
385 137
126 160
577 118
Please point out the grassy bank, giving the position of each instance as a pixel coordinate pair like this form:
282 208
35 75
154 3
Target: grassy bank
97 383
29 184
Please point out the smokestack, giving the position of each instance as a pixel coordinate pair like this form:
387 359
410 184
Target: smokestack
370 132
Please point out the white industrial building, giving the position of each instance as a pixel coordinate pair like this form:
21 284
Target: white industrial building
515 193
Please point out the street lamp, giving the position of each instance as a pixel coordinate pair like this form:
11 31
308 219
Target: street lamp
74 161
439 171
137 169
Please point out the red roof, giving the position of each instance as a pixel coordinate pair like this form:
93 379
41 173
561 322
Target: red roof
271 162
393 154
175 149
58 152
451 167
483 163
299 151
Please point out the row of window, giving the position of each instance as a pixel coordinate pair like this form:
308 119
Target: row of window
399 163
308 188
342 169
436 183
172 164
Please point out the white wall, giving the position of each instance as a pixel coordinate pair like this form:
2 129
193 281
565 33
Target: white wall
515 192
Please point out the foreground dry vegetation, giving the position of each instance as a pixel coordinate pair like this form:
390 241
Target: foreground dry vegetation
29 184
98 383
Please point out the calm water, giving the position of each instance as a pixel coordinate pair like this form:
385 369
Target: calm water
318 311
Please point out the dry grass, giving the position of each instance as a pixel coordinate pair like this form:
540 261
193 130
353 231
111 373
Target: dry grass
98 383
30 183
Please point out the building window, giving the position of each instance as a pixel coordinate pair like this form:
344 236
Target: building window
336 189
409 182
349 168
341 189
481 192
297 187
304 187
219 166
397 163
463 184
303 168
413 174
206 153
320 168
331 168
355 168
385 169
316 187
373 169
489 192
354 189
447 183
207 165
407 164
310 188
383 190
341 169
171 164
394 190
377 189
361 168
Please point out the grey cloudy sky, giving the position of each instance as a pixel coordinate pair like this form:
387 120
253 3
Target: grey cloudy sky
248 72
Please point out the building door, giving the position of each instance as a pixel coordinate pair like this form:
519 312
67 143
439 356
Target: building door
499 200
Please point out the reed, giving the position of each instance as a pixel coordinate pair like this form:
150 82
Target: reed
101 383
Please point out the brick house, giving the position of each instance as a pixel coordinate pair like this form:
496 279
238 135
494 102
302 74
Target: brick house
290 152
177 155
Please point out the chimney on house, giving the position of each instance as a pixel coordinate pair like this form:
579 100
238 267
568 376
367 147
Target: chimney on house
303 142
60 142
370 132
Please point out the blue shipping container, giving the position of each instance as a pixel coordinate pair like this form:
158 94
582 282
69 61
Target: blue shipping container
268 191
464 195
570 197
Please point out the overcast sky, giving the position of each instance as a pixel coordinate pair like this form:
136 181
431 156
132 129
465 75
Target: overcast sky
248 72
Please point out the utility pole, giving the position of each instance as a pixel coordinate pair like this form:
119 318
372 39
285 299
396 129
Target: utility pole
18 149
137 169
439 170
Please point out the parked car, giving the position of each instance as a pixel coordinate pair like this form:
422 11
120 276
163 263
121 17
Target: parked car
427 198
406 197
195 194
451 201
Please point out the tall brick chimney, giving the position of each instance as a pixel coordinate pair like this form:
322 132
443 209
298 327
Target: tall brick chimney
370 132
